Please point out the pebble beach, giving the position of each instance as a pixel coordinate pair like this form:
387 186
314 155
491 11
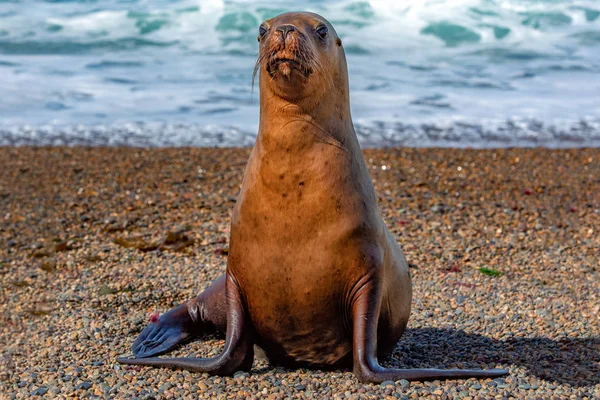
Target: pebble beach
504 248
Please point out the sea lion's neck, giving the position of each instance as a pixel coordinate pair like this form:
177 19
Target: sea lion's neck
296 126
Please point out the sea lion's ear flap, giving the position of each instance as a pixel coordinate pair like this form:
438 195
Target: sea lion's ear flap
338 42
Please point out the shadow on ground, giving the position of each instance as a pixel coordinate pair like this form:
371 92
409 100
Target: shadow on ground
572 361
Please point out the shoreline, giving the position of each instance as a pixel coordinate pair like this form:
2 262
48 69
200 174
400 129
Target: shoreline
371 133
504 244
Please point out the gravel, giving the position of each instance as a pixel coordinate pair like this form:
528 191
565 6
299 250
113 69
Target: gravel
504 247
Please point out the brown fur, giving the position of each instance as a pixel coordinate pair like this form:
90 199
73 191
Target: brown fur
313 275
308 203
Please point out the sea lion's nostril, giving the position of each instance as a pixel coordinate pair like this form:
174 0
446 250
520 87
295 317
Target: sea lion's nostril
285 29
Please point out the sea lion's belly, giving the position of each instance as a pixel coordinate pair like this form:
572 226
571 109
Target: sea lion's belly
296 298
301 322
316 350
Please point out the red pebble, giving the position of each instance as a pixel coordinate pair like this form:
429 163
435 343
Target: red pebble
154 317
454 268
527 192
573 209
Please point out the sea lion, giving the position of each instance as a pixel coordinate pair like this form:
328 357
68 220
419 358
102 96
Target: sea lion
313 277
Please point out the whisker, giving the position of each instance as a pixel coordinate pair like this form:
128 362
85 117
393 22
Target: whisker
254 72
303 54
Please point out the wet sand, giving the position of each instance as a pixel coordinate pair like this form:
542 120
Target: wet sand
504 245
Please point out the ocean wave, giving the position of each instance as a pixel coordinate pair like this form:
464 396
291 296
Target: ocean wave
412 61
451 133
210 25
55 47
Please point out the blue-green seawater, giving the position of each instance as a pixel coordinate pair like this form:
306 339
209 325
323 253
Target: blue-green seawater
477 73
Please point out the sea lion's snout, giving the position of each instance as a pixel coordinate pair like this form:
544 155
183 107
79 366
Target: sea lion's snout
285 28
284 65
297 56
284 51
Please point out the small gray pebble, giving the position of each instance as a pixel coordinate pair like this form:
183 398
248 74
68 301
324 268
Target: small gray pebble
84 386
525 386
39 391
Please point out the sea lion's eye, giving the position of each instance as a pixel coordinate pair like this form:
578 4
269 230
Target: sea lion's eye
262 31
322 31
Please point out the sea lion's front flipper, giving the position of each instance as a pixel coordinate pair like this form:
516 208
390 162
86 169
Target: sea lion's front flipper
365 317
164 333
204 313
238 353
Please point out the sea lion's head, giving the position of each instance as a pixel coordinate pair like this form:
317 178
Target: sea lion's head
300 55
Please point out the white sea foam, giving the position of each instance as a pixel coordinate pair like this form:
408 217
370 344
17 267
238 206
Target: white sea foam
417 62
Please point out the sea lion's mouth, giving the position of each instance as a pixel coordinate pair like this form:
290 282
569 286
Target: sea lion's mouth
286 65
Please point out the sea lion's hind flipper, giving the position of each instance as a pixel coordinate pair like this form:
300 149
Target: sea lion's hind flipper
237 354
367 368
214 366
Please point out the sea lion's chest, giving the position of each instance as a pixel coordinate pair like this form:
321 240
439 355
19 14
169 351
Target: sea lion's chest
294 251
